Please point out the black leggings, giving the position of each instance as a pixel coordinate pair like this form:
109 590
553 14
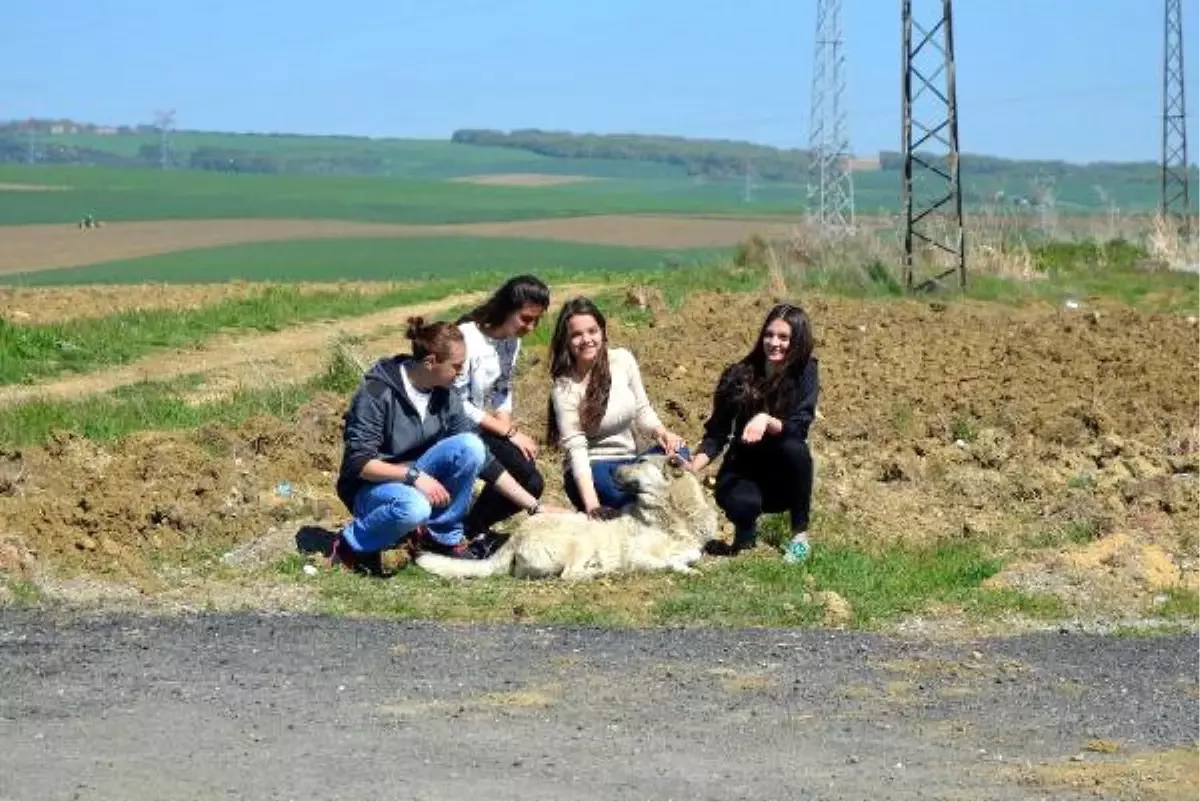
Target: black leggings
775 475
491 508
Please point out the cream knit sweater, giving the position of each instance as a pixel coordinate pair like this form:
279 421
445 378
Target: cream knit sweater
628 408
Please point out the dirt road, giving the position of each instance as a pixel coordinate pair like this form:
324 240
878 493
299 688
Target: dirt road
252 353
308 707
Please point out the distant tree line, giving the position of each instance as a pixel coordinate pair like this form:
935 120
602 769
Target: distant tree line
725 158
712 158
20 149
1101 173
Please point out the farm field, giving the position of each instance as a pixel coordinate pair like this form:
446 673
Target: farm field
625 240
127 194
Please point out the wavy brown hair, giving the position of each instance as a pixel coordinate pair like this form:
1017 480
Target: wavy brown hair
595 398
746 383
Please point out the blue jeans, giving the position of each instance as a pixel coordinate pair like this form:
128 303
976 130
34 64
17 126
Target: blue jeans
608 492
385 513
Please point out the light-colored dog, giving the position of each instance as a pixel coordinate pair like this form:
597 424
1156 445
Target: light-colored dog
664 529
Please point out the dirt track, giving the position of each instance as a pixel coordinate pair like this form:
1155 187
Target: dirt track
247 360
288 355
44 247
299 707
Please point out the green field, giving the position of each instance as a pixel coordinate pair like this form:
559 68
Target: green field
114 194
364 259
121 194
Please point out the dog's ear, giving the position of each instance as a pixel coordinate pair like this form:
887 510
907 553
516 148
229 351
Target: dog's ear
658 460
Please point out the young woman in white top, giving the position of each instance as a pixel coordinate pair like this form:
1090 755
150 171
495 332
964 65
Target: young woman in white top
493 333
597 405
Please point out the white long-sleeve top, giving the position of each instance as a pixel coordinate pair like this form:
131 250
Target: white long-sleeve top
628 409
485 384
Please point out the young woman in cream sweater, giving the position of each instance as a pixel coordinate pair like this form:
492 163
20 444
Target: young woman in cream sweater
597 406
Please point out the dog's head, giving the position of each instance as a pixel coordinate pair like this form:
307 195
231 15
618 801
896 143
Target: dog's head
672 494
646 479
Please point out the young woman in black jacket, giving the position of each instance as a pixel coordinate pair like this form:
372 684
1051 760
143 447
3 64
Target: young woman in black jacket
762 409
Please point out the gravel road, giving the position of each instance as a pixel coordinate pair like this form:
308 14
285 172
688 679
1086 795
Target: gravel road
266 707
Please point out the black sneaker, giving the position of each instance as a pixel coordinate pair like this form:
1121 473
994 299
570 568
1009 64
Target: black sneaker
487 544
343 556
421 541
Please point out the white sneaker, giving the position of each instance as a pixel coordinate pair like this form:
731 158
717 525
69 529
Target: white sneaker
797 550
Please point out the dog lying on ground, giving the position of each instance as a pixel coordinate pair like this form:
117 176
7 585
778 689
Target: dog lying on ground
665 528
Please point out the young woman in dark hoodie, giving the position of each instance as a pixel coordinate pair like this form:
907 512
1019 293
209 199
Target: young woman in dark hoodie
412 454
762 409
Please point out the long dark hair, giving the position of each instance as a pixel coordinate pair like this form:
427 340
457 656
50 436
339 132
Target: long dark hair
746 383
512 296
595 398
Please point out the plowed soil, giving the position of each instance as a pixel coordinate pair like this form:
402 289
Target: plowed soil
1071 430
47 246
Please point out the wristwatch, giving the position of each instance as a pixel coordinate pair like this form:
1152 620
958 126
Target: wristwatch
411 475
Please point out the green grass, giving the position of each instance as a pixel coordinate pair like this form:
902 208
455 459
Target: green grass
747 591
1181 603
363 259
878 586
22 592
143 406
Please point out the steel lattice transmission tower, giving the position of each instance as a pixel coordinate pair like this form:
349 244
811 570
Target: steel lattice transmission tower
164 120
934 241
830 185
1174 200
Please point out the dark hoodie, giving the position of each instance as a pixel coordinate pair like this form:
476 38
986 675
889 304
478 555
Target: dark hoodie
723 428
382 423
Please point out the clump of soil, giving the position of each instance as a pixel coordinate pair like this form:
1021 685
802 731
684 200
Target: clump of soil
1066 440
118 510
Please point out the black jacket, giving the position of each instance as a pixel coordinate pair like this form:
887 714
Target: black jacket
724 426
383 423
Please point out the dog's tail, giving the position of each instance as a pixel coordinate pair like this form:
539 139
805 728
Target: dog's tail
457 568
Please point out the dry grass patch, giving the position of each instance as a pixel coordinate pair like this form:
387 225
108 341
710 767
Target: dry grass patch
1168 774
9 186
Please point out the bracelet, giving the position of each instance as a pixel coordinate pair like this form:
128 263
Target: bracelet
512 429
537 505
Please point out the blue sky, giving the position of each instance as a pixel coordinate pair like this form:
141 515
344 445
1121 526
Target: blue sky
1072 79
